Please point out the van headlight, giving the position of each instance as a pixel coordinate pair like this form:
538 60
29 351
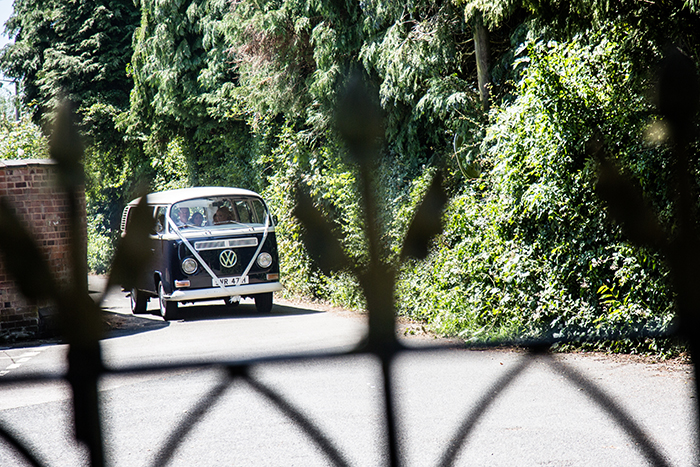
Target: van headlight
264 260
189 265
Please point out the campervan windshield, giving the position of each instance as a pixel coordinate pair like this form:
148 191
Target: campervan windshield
218 211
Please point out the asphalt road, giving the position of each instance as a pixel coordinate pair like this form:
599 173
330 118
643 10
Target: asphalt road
541 419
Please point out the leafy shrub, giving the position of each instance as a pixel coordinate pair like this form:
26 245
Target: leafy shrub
527 247
22 140
290 161
170 168
100 247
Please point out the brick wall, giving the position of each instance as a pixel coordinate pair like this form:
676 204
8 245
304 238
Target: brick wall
29 187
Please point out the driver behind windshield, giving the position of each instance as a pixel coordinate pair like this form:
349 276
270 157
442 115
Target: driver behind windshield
183 214
222 215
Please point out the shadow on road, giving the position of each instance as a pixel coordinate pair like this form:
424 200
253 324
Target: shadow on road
123 324
196 312
119 324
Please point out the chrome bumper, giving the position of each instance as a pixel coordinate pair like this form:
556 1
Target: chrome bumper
187 295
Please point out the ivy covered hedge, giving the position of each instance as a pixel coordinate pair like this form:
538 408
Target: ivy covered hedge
528 246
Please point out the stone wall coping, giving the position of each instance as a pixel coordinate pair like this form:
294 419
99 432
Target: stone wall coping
25 162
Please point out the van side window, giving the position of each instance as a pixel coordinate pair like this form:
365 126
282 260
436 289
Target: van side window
159 215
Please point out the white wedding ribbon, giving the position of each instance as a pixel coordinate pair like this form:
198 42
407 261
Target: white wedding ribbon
206 267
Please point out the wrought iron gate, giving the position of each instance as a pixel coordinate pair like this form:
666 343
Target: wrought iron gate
232 372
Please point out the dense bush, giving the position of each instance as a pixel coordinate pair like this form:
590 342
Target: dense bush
22 140
528 248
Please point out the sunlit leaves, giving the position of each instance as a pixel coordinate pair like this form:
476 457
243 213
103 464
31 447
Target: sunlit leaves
528 245
22 140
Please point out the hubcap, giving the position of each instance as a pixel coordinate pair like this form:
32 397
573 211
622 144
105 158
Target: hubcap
161 299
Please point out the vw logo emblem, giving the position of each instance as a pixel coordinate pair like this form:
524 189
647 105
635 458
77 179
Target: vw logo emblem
227 258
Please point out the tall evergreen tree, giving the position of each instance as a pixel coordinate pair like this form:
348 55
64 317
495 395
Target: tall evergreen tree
78 50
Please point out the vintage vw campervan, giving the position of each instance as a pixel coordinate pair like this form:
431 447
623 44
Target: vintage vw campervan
208 243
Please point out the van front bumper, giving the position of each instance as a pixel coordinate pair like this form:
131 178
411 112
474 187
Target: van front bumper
212 293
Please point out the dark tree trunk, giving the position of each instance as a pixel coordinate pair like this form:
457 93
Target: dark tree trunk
481 47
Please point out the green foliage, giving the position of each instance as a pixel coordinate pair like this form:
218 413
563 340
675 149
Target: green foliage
291 56
185 106
22 140
423 85
100 249
171 168
179 64
528 249
8 101
330 181
114 169
80 50
75 50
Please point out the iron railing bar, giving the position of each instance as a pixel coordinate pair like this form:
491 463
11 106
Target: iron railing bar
401 348
489 397
623 419
483 345
42 377
302 421
19 447
177 436
360 350
390 410
243 363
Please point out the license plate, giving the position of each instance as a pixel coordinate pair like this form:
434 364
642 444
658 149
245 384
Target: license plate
229 281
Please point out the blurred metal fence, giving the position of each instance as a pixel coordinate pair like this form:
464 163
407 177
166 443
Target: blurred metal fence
242 371
359 124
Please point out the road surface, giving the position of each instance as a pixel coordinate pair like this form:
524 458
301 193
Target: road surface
540 419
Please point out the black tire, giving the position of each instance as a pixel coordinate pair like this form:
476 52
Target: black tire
138 300
263 302
168 309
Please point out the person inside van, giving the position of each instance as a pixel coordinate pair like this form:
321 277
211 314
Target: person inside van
197 219
183 215
222 215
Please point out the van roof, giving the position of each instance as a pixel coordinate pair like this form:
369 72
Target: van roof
181 194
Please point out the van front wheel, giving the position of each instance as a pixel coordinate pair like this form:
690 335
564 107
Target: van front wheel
167 308
263 302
